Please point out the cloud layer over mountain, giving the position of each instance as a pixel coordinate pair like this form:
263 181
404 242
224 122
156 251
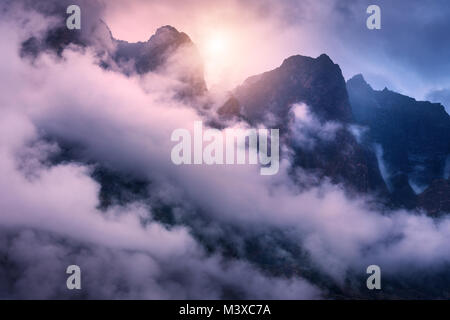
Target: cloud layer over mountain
195 231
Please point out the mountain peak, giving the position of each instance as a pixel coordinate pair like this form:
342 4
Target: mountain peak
325 58
317 82
358 78
166 28
295 60
358 81
157 52
169 34
299 60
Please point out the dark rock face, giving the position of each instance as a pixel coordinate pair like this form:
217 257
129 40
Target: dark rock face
402 195
167 51
148 56
316 82
160 52
436 198
269 98
55 40
414 136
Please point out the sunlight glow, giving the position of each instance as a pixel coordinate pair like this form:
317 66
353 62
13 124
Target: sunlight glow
219 49
217 45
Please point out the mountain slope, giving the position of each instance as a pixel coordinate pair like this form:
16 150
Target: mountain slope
413 137
316 82
306 98
167 52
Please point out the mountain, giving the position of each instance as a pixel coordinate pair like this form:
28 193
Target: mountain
329 128
317 83
167 52
384 142
370 141
150 55
412 137
167 47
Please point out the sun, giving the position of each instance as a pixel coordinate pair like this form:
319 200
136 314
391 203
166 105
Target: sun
217 45
219 52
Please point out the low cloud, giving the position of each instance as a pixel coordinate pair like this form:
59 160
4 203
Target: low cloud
308 130
125 123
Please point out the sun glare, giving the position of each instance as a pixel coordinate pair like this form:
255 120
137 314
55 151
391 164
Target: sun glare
217 45
218 50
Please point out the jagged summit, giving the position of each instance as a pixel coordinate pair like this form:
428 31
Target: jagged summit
169 34
360 86
150 55
299 60
358 80
317 82
166 29
157 54
325 57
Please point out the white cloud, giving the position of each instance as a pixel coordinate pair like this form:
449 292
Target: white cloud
121 125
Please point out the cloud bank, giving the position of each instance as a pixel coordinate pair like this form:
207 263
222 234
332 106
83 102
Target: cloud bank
232 232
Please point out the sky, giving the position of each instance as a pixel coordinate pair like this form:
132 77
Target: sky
49 212
409 54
